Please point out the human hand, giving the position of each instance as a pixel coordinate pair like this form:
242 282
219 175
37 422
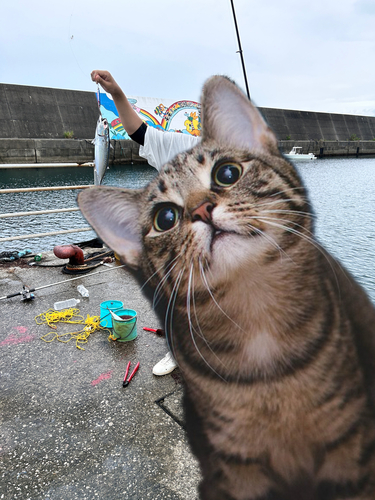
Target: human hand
106 80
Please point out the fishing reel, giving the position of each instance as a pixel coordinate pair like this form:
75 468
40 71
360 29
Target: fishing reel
26 294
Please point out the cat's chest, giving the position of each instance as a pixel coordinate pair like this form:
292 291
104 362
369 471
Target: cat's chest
252 334
261 351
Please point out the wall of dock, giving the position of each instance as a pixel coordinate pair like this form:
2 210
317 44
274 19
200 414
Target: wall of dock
33 121
309 125
46 113
13 151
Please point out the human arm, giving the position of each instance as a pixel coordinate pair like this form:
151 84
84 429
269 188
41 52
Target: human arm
129 118
156 147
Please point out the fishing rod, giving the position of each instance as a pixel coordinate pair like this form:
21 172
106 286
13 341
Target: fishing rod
26 292
240 50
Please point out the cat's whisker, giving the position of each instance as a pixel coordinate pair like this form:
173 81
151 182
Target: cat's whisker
312 241
206 266
298 189
170 309
272 222
262 233
160 269
287 221
283 191
208 288
157 291
256 204
160 285
190 298
277 201
267 237
200 332
288 212
283 200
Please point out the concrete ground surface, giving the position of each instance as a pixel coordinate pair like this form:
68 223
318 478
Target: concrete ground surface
68 429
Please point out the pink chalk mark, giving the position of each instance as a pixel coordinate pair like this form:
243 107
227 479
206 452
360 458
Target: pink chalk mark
101 377
21 329
13 339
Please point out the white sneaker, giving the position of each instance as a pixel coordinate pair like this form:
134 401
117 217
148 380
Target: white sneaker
165 365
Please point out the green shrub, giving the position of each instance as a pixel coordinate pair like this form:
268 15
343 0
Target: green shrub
69 134
354 137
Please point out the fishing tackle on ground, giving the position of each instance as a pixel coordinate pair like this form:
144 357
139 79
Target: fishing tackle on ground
26 292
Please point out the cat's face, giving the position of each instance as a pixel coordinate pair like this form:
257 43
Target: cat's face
219 209
230 204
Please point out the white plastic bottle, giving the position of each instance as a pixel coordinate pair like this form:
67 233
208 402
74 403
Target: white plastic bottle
83 291
65 304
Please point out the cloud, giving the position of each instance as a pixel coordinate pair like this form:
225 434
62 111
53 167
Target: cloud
316 57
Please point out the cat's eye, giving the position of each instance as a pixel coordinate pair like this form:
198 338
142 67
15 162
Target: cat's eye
166 218
227 174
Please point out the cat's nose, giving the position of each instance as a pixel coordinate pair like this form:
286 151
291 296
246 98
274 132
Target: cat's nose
203 212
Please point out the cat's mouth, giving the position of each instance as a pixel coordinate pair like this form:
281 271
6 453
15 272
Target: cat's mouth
219 236
220 233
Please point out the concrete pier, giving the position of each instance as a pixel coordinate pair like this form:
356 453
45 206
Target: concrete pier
68 429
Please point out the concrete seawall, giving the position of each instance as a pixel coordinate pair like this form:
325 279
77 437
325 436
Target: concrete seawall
33 121
19 151
45 113
16 151
309 125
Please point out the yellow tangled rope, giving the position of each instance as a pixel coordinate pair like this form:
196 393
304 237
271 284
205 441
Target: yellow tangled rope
50 317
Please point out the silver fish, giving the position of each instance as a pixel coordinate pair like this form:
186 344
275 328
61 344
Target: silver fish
102 146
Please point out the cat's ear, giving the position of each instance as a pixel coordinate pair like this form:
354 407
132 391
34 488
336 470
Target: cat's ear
114 215
229 118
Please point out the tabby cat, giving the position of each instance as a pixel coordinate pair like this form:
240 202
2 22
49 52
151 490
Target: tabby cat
274 338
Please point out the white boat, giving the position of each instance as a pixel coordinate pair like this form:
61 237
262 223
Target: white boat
295 154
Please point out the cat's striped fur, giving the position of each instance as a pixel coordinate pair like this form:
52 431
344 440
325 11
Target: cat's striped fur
274 338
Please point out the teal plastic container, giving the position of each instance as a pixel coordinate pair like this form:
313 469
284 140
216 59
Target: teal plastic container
125 329
105 315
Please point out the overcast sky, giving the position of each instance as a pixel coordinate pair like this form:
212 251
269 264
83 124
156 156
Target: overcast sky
311 55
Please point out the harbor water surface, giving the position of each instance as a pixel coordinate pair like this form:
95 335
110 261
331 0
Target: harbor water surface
342 192
68 428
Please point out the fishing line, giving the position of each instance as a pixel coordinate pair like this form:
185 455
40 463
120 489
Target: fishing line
90 325
71 39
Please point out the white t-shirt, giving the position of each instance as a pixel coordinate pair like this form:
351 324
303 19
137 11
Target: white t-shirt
160 147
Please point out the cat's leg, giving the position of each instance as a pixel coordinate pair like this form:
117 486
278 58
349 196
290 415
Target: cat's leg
226 477
236 481
348 470
346 491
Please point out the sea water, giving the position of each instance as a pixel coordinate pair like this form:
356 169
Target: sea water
131 176
342 192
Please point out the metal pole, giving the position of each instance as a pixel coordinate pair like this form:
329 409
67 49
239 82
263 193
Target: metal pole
44 165
240 50
52 188
38 212
42 235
